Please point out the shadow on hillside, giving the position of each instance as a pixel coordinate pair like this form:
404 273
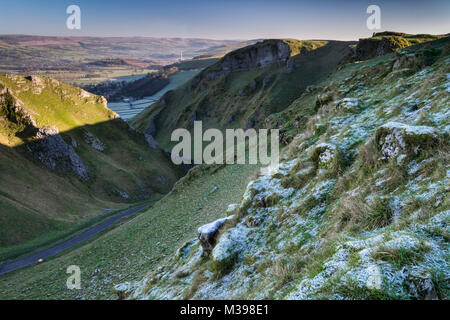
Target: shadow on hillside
51 181
111 158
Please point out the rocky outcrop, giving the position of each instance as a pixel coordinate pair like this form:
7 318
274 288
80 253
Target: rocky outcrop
395 138
325 155
256 56
13 109
93 141
120 193
380 44
150 133
37 83
50 149
44 144
208 233
370 48
232 243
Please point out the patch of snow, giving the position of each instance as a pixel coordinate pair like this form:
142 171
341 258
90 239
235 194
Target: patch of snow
212 227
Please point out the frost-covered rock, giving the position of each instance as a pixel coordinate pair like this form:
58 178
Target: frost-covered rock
266 191
348 104
326 155
123 290
228 248
394 138
233 209
185 250
207 234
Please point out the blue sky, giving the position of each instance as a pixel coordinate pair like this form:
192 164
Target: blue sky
231 19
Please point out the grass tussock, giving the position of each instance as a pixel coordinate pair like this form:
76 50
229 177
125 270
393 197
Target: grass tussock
198 280
354 213
401 257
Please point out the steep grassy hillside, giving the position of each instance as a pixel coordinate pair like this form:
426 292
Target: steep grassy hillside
243 87
143 243
65 157
358 208
354 196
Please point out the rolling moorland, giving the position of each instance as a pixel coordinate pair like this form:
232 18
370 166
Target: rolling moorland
363 184
86 60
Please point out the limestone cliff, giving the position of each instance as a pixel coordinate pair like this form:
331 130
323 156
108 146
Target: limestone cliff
256 56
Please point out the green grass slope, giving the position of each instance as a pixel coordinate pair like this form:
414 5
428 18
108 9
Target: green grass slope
359 207
37 201
141 244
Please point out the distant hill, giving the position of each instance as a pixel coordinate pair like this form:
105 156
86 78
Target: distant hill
109 62
25 53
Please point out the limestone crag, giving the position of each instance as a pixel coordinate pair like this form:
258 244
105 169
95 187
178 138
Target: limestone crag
253 57
53 152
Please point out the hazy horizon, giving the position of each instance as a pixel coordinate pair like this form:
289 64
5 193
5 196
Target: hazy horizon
199 38
231 20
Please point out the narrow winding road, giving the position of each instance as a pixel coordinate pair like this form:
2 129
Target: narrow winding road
44 254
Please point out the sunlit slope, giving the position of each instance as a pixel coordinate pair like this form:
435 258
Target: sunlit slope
53 103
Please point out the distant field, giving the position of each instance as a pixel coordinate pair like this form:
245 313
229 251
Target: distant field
127 110
104 74
86 60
